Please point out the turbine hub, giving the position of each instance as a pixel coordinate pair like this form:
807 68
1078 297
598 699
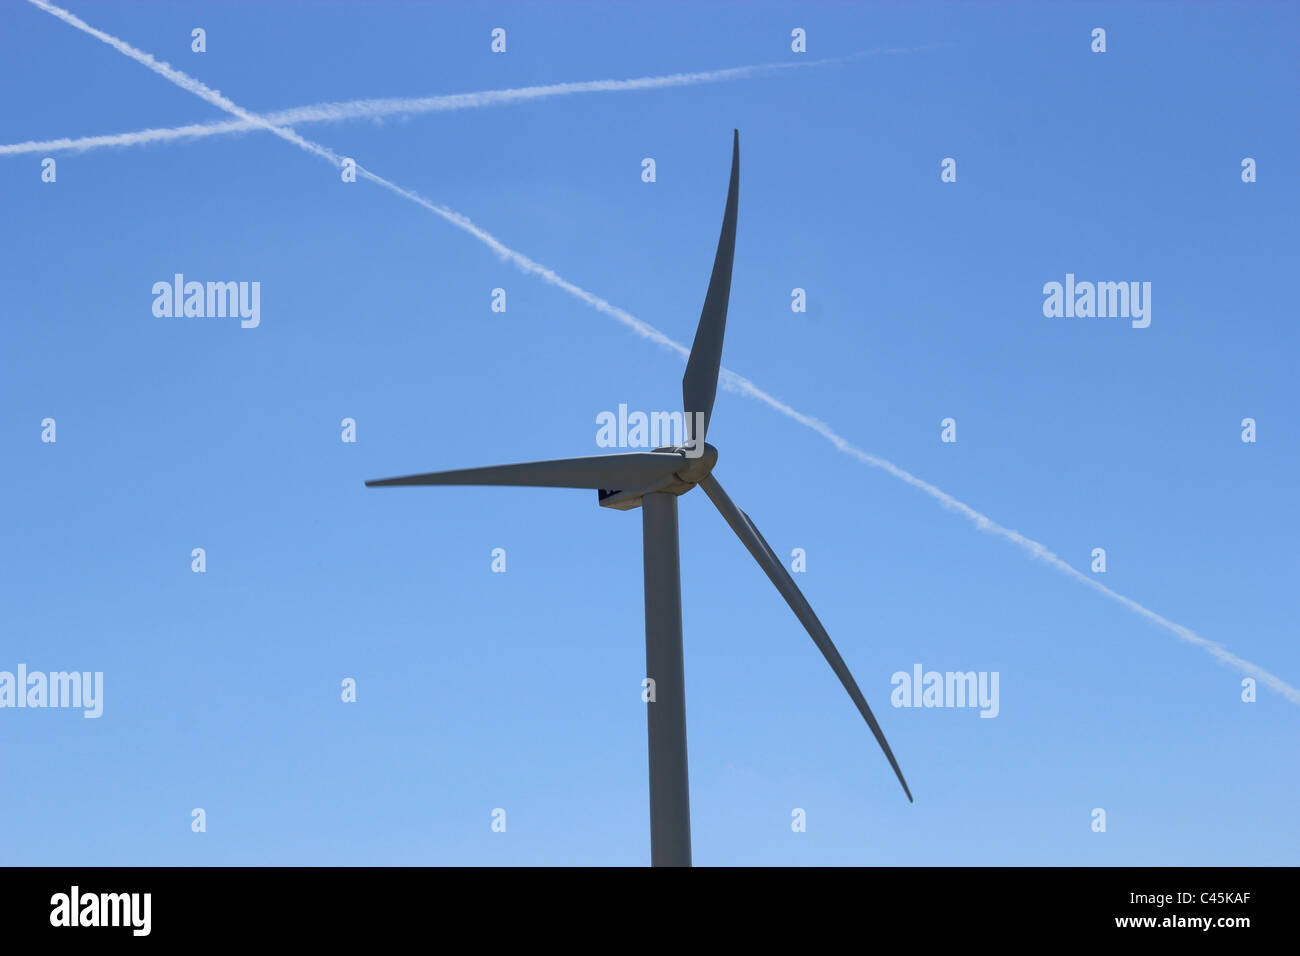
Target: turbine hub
696 466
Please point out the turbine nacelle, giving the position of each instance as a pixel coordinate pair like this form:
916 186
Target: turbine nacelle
695 468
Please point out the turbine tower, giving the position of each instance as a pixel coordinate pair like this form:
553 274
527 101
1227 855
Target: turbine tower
653 481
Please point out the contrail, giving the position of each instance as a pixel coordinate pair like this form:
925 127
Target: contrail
984 523
729 379
378 109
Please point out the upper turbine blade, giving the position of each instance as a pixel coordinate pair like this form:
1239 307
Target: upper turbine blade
636 469
770 563
700 383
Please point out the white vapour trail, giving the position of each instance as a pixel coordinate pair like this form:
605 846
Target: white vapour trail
984 523
378 109
729 379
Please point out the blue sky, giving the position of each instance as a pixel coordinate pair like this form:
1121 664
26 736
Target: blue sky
522 690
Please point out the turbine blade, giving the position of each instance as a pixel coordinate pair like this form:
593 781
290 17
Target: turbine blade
636 469
771 564
700 383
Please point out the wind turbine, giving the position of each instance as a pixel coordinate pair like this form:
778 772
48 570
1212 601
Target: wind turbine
654 480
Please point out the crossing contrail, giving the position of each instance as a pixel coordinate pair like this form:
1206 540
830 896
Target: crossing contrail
378 109
730 379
